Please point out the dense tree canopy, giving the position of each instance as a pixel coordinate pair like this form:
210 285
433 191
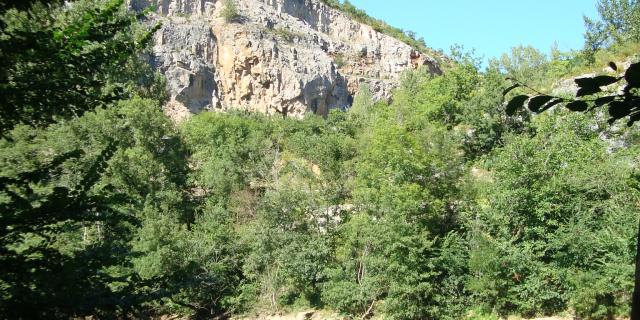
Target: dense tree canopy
64 225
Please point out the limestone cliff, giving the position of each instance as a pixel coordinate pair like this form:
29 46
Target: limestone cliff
279 56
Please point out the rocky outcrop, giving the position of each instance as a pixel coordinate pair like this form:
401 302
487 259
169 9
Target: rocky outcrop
569 88
279 56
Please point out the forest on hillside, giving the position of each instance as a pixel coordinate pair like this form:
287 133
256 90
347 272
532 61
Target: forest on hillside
434 205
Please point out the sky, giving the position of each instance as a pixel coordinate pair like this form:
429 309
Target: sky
490 27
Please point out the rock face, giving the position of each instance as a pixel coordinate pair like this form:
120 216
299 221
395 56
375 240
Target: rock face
279 56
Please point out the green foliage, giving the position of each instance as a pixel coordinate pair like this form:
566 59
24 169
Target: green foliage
525 61
361 16
598 300
200 265
624 104
363 108
339 60
61 61
618 23
551 227
229 11
75 220
426 207
539 70
401 237
66 226
286 34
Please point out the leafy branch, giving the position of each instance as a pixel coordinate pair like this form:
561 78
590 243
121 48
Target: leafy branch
620 105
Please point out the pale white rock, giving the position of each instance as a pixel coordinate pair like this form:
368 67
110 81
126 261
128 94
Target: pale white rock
279 57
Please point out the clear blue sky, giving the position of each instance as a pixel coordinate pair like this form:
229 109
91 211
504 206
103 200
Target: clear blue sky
491 27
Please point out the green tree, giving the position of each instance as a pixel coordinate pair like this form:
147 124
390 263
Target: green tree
618 22
76 223
525 62
551 230
620 105
60 217
399 238
60 61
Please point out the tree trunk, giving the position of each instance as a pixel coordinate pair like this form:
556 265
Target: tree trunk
635 300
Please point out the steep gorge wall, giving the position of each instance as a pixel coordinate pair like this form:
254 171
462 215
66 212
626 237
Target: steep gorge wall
280 56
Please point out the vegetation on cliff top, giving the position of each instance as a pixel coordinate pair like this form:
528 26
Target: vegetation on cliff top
408 37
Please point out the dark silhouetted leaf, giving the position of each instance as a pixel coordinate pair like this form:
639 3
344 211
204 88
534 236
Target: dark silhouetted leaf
619 109
605 80
633 118
550 104
516 103
604 100
507 90
633 75
537 102
613 66
586 82
589 86
577 106
586 91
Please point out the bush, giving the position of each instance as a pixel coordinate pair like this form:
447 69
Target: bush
339 60
286 34
229 11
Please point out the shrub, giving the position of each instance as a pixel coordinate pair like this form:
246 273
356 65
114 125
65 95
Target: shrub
229 11
339 60
286 34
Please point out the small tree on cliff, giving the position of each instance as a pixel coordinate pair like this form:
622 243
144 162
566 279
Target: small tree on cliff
229 11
